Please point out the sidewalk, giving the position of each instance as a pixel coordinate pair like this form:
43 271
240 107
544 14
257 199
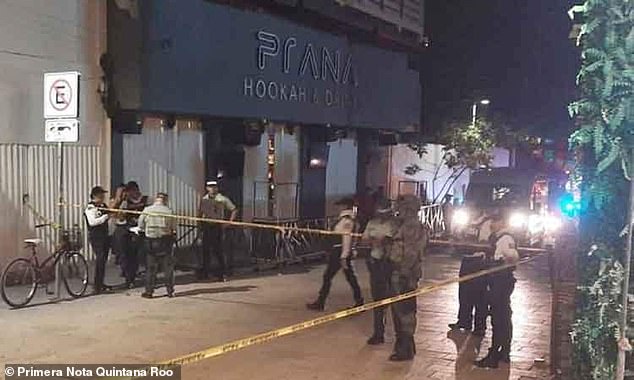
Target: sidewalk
124 328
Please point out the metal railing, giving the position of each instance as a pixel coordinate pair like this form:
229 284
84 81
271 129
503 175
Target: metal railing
432 216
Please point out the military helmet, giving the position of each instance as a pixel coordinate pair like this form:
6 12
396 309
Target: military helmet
408 205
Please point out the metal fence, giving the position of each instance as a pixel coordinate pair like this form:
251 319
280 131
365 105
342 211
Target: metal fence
433 217
33 170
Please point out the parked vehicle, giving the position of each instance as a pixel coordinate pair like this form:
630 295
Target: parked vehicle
527 197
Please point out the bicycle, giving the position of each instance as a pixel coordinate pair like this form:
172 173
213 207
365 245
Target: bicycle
22 276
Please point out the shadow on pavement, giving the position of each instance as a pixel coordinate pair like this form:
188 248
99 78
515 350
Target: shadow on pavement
468 348
226 289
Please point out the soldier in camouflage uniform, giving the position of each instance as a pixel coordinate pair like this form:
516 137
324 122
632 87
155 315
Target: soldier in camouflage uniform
405 258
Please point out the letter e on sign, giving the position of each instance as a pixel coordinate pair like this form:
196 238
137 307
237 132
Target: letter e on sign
61 95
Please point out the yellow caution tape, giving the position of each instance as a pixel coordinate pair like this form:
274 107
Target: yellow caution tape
284 229
274 334
225 222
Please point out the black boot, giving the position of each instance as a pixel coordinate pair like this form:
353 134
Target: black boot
376 339
491 360
505 356
317 306
459 326
404 350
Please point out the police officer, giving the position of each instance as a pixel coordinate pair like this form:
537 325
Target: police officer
405 258
342 258
97 222
377 233
214 206
501 286
159 234
472 296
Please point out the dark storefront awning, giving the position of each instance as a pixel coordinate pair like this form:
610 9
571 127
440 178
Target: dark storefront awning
208 59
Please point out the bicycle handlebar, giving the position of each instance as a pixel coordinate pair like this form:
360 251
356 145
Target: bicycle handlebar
42 225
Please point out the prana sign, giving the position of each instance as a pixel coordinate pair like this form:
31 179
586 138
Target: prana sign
301 60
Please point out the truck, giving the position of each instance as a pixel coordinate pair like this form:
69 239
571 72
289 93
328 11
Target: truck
527 197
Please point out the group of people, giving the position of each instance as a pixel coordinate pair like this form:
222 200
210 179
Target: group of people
398 241
145 232
490 294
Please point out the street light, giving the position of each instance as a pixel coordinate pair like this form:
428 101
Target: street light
484 102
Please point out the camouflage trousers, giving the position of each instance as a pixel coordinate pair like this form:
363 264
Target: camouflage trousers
403 312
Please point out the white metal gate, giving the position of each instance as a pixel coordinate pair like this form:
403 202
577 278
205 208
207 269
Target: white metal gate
168 160
33 170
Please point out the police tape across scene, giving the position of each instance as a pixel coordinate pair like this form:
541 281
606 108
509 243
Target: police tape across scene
297 229
271 335
288 330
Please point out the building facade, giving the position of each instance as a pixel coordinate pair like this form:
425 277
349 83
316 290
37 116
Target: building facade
277 106
38 37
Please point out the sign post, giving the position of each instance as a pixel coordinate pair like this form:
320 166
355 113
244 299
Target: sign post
61 109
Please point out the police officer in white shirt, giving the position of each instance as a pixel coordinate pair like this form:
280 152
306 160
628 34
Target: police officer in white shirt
341 258
501 285
98 234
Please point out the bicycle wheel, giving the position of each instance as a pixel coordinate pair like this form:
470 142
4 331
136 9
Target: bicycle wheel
19 282
75 273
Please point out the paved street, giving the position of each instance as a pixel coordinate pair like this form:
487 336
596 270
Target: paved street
123 328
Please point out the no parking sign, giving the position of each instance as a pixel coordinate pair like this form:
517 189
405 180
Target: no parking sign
61 95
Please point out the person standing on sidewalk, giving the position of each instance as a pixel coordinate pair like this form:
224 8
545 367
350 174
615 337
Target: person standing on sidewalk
501 286
341 258
378 232
98 236
129 245
405 259
159 234
472 296
214 206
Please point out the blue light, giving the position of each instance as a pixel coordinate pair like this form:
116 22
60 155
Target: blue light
569 206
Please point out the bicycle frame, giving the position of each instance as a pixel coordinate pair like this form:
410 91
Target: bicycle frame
55 256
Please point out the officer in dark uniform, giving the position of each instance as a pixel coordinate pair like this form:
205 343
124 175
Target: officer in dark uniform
472 296
97 222
501 285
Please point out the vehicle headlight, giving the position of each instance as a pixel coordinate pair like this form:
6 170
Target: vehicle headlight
517 220
461 217
535 223
552 223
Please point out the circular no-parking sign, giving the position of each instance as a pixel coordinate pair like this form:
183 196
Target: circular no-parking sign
61 98
60 94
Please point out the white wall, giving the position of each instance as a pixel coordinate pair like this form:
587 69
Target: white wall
38 36
341 172
433 172
167 160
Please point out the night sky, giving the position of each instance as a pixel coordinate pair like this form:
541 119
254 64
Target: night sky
514 52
